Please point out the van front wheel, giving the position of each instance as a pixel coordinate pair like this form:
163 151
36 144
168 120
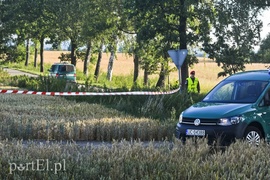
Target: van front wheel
253 135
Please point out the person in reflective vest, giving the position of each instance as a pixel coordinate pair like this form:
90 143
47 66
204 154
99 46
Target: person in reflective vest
192 83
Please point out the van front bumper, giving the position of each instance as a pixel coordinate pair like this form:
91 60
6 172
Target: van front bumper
223 133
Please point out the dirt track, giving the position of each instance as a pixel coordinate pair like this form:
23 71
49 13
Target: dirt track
14 72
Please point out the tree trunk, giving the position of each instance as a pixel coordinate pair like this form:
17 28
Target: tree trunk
87 59
183 41
98 61
145 76
41 54
110 66
136 68
162 76
73 53
111 60
35 57
27 52
136 61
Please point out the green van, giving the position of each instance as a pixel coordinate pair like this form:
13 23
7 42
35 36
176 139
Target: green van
236 108
63 71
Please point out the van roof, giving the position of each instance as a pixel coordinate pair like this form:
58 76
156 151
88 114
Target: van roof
259 75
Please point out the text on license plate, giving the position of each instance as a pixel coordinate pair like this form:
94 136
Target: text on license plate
195 132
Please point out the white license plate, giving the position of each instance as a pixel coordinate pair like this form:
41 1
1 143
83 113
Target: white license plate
195 132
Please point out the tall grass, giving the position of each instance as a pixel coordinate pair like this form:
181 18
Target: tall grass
161 107
133 160
55 118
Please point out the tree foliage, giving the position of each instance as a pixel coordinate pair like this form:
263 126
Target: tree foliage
226 30
236 31
263 54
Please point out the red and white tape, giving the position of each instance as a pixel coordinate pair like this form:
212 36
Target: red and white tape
2 91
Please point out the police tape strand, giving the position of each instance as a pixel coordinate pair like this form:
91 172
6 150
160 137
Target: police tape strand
2 91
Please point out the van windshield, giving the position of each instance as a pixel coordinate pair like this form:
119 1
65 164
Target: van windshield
236 92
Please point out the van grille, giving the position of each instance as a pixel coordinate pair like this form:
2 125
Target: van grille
207 122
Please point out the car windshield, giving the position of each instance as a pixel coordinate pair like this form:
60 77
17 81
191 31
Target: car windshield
236 92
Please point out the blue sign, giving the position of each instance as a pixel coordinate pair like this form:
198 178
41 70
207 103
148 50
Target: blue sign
178 56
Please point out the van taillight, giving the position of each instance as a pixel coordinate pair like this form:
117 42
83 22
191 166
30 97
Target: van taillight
74 75
56 74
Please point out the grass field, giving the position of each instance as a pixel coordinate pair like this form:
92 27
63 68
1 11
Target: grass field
55 118
206 70
33 117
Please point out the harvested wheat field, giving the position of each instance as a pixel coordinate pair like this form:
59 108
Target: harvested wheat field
206 70
123 65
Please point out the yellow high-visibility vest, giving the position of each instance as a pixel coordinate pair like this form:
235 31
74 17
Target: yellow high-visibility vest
192 86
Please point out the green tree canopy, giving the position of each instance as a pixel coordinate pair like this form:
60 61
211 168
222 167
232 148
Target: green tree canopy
227 30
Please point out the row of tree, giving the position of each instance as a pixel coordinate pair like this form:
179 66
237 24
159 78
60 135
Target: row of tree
227 30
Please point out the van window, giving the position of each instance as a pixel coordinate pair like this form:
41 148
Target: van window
266 99
54 68
69 68
236 92
224 93
66 68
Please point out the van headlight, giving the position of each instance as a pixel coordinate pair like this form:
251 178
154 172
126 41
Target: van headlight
181 117
230 121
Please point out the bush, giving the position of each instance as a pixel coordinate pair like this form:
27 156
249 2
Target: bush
4 77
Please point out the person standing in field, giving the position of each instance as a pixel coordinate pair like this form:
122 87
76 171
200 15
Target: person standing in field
192 83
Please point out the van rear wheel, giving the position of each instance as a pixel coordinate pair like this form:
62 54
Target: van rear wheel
253 135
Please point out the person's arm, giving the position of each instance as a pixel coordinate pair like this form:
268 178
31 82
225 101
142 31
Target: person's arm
198 87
